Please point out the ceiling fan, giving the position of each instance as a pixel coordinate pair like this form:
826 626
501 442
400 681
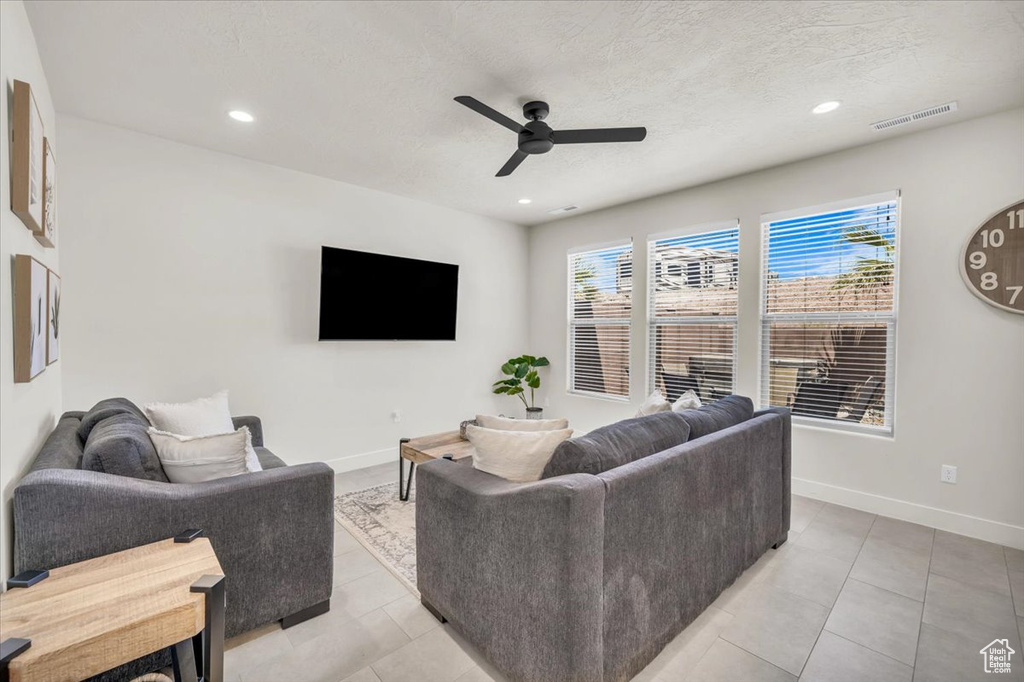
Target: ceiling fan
537 137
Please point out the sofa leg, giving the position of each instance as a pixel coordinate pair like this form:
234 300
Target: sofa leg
781 542
305 614
434 612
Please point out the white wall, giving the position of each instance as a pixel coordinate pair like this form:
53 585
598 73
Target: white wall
27 411
187 271
960 363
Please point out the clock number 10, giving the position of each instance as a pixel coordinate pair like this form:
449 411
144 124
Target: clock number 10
993 238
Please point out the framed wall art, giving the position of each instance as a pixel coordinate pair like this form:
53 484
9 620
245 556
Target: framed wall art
48 235
52 317
27 159
30 318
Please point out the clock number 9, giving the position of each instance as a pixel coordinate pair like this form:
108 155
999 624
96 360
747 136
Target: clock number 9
978 260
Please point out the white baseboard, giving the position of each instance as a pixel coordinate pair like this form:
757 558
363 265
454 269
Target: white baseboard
962 524
363 460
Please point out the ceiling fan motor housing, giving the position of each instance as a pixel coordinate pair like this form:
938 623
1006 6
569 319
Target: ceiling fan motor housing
536 138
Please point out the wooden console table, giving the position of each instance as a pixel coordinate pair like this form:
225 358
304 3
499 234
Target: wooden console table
425 449
90 617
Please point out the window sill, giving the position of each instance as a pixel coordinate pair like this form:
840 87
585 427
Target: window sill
849 428
599 396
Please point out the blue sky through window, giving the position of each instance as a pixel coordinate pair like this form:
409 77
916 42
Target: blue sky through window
813 245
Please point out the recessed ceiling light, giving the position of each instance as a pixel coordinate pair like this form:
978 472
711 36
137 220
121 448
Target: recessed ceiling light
526 201
825 107
243 116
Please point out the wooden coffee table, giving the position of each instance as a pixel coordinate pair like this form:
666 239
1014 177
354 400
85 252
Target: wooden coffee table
425 449
90 617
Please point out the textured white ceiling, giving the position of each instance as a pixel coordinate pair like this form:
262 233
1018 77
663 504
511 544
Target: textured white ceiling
362 92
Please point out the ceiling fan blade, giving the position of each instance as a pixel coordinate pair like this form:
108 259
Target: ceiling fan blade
511 164
496 116
600 135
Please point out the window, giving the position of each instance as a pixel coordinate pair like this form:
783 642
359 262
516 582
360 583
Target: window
600 306
828 312
691 318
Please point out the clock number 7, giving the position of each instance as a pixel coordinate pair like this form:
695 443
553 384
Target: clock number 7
1016 292
1016 219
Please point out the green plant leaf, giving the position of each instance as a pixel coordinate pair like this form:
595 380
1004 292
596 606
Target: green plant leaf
521 371
533 381
501 389
516 390
541 362
529 359
508 368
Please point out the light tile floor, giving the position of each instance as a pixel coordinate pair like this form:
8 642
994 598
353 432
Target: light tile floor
851 597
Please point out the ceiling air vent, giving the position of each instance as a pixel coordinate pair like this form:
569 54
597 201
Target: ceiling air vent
564 209
916 116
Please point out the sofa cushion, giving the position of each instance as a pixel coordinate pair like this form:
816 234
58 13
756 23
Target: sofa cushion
108 408
721 414
201 417
62 449
120 445
506 424
617 444
518 456
268 460
197 459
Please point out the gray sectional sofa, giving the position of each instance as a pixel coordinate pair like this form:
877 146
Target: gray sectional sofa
97 487
633 531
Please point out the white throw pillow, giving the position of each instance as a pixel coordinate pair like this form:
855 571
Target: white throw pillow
506 424
655 403
202 417
514 455
194 459
687 401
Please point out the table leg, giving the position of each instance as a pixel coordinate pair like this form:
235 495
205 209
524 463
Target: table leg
212 586
403 490
183 662
10 648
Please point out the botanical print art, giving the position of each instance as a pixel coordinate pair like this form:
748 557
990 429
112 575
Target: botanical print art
52 318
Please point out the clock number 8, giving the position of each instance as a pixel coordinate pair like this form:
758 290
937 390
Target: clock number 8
989 281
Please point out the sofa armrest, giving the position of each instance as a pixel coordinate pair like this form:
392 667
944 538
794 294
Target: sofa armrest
255 428
787 463
273 531
516 567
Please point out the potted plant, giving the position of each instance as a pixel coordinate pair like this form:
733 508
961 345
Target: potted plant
519 371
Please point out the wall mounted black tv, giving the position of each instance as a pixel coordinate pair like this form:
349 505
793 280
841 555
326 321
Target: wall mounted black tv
373 297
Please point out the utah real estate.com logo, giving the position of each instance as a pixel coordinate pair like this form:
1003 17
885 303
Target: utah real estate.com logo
997 656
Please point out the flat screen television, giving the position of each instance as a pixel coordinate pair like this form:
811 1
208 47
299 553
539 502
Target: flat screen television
373 297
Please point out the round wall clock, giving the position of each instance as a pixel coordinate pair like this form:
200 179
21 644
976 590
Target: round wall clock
992 263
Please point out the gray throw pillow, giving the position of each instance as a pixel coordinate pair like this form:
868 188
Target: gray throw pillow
721 414
617 444
108 408
120 445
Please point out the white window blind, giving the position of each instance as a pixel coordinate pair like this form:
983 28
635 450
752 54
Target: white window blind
828 313
691 322
600 306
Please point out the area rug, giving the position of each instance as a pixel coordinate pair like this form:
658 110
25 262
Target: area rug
384 525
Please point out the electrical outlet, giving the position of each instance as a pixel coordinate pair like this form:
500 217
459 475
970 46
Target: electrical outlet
396 416
948 474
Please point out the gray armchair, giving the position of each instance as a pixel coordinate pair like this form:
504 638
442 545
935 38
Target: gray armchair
273 531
